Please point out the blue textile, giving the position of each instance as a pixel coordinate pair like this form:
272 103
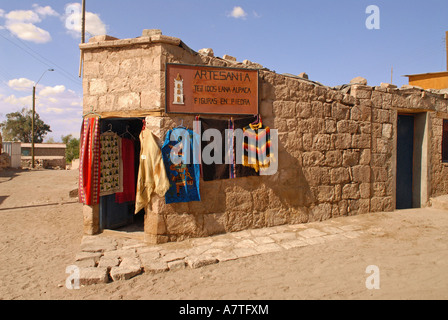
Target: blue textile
180 153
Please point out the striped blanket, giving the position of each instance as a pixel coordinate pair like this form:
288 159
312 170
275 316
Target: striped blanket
256 146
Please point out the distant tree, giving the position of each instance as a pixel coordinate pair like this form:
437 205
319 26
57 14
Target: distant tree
72 150
17 127
50 140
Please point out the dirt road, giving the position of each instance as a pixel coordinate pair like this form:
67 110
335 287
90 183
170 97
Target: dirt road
41 230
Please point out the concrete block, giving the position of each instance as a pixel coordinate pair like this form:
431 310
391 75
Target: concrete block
283 236
89 276
226 256
268 248
173 256
311 233
293 244
124 273
88 255
155 266
176 265
201 261
108 263
245 252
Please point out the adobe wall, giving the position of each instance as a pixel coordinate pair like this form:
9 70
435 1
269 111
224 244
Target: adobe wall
337 148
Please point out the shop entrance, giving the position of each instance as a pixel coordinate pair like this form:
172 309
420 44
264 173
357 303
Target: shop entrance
412 155
116 210
405 151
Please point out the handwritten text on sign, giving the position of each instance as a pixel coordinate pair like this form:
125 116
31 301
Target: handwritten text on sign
211 90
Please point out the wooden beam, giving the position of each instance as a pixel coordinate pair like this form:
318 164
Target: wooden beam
130 114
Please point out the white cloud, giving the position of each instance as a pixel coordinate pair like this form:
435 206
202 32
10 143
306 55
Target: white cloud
21 23
57 106
47 98
55 110
21 84
238 13
76 104
23 16
19 102
50 91
28 32
63 126
72 20
45 11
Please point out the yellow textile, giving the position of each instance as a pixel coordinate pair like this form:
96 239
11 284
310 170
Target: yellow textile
151 173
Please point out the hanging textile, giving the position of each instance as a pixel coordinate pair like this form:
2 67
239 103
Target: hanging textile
257 146
239 169
127 156
184 172
231 150
111 180
89 166
231 146
197 129
151 173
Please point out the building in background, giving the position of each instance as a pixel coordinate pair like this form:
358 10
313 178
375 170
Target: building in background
431 80
47 155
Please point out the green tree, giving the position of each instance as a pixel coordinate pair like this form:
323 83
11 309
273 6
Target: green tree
72 150
50 140
17 127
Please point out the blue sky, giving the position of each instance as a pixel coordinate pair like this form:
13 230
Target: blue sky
327 39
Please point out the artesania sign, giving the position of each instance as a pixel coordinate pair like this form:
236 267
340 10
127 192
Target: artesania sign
211 90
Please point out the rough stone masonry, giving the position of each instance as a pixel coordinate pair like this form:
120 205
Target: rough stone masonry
337 146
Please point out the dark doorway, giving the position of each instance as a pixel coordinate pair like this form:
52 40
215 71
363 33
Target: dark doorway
405 156
114 215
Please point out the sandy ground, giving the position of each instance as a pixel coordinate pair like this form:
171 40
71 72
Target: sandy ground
41 230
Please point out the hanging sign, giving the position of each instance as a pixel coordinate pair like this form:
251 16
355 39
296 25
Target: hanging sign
211 90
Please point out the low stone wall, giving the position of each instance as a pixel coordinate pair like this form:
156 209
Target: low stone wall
336 152
5 161
44 163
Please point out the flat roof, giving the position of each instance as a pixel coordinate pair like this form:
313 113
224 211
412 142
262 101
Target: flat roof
428 73
43 157
45 145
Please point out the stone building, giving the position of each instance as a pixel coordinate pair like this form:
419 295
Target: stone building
46 155
348 150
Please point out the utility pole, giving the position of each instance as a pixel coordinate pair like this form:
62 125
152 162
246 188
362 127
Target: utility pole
83 34
391 74
32 127
34 115
446 44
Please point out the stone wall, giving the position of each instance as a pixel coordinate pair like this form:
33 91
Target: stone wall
439 170
5 161
337 146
